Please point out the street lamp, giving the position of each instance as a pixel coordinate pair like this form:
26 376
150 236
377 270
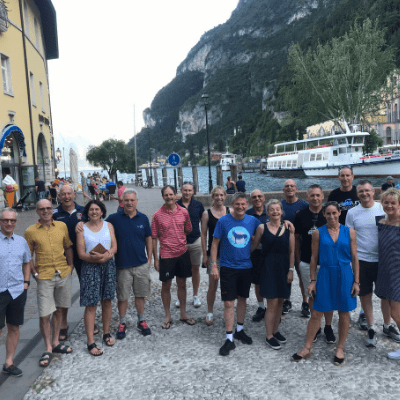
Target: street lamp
210 185
58 154
150 175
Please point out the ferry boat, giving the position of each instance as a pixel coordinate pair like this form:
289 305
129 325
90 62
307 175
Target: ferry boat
227 160
322 156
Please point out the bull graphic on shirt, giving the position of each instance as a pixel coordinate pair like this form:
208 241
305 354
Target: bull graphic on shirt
239 236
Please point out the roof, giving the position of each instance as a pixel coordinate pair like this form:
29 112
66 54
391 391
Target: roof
49 27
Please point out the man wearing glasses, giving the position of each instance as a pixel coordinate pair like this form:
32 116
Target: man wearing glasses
14 283
50 243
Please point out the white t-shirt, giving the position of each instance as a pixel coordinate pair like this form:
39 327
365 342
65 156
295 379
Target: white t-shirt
365 222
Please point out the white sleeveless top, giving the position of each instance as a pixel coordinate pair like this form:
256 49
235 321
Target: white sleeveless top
92 239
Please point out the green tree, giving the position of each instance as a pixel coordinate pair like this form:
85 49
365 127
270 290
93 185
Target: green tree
372 142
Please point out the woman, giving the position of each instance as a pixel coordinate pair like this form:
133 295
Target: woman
98 273
276 276
209 220
388 281
230 185
337 287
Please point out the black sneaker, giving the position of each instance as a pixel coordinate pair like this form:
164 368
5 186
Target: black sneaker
12 370
143 328
273 343
372 339
392 332
316 335
243 337
259 315
305 310
121 331
329 335
280 338
227 347
287 306
362 322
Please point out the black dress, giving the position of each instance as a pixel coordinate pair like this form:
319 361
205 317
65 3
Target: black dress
273 280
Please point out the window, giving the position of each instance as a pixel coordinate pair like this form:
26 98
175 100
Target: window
319 156
26 18
326 156
335 153
6 74
41 96
32 83
312 157
294 164
37 34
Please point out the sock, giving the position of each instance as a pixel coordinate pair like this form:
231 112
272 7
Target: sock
239 327
229 335
372 327
140 317
122 320
261 304
386 326
361 311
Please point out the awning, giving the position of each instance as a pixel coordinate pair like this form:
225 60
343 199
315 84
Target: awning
19 136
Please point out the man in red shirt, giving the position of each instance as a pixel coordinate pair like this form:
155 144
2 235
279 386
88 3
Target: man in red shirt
171 224
121 189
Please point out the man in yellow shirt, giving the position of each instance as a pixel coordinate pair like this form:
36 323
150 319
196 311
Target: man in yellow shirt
48 240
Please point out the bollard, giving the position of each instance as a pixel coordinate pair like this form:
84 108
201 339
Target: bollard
164 176
261 167
180 177
155 177
220 179
195 180
239 167
234 172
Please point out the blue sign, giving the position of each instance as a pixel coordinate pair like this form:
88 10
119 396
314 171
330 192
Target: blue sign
174 159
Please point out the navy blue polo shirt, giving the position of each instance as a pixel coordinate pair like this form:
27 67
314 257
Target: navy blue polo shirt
131 234
195 210
263 218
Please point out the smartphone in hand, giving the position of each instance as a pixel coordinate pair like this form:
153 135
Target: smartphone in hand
313 294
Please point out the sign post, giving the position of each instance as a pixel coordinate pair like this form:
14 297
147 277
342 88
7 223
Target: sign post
174 160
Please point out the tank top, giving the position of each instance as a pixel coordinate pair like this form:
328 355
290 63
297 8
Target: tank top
92 239
212 222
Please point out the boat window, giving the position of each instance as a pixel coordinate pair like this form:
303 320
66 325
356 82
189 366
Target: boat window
289 163
349 149
356 149
342 150
294 164
326 156
319 156
312 157
335 153
283 163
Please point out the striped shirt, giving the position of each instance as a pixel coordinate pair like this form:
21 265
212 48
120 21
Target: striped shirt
169 228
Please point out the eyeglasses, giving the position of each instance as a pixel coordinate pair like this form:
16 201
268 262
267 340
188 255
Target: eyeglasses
9 221
257 197
45 209
188 183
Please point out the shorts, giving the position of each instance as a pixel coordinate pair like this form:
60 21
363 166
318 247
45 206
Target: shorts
209 267
180 267
195 252
304 269
12 310
368 276
54 293
257 261
137 278
235 282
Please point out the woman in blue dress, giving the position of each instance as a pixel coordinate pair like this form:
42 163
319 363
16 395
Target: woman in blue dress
338 285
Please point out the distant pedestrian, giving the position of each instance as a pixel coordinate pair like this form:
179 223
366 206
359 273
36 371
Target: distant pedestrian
389 183
121 189
14 284
230 185
85 188
40 189
241 185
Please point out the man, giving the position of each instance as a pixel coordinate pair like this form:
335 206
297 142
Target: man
389 183
346 194
121 189
171 224
306 222
14 283
133 234
40 189
241 185
364 220
195 209
48 240
234 232
291 205
84 187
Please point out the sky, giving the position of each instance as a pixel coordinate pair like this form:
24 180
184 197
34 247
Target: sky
114 55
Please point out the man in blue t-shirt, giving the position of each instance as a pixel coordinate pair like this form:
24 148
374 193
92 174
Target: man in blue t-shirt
233 233
133 234
241 185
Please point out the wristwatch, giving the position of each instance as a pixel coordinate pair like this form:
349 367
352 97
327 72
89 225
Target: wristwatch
291 269
35 274
28 282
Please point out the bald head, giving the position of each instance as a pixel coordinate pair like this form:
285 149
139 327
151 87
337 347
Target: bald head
257 199
43 204
66 189
290 191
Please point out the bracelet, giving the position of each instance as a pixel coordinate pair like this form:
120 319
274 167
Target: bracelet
291 269
313 280
28 282
35 274
358 283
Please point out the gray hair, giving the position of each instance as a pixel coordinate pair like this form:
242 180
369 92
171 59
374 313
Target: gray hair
238 196
272 202
129 191
2 210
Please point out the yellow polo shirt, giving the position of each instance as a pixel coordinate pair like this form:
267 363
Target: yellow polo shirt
49 246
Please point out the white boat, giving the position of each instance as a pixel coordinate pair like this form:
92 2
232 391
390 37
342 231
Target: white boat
322 156
227 160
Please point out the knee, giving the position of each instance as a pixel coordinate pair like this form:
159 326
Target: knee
12 328
195 269
166 286
181 282
229 305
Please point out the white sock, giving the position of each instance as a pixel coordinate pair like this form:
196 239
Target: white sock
229 336
372 326
386 326
122 320
261 304
239 327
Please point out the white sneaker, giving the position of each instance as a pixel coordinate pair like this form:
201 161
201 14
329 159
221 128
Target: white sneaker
177 304
196 302
395 355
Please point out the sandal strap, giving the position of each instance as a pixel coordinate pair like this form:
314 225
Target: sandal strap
92 346
107 336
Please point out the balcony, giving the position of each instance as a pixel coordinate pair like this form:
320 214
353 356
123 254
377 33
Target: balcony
3 17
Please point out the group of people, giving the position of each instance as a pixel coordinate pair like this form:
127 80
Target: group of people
339 250
238 186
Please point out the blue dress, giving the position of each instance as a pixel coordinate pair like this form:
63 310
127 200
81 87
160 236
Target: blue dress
335 277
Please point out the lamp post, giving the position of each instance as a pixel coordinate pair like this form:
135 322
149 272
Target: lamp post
150 175
65 172
58 159
210 185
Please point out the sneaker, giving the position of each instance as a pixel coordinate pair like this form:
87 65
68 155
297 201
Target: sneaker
316 335
143 328
395 355
196 302
273 343
227 347
287 306
121 331
329 335
12 370
371 339
280 338
259 315
392 332
362 322
177 304
243 337
305 310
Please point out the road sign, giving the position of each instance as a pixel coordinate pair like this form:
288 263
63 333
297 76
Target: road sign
174 159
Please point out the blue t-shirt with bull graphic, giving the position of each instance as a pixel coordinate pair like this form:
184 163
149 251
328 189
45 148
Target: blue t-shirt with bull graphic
235 240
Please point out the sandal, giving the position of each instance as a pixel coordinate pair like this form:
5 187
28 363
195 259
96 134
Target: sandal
107 340
166 325
92 346
62 349
46 357
210 319
189 321
63 336
297 358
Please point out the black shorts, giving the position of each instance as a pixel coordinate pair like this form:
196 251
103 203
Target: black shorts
180 267
257 261
12 310
235 282
368 276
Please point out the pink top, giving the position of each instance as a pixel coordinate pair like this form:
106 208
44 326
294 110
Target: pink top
120 191
169 228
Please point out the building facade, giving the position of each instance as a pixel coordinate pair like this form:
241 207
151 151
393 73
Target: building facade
28 39
389 128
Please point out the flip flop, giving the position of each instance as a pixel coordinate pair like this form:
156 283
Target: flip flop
209 319
62 349
189 321
94 346
166 325
63 336
46 356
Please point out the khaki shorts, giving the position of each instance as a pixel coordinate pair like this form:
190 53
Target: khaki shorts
53 294
305 275
137 278
195 252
